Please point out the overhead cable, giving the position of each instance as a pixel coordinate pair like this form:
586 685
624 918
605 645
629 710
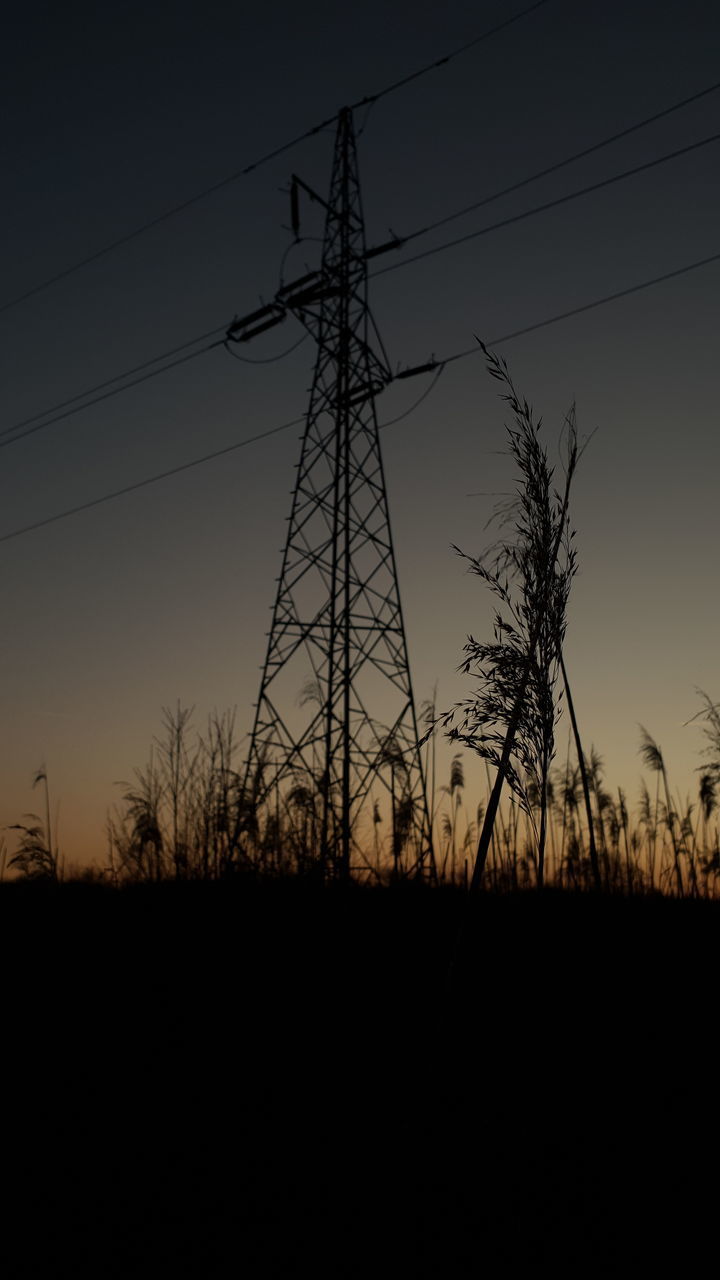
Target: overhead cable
17 433
416 404
108 395
562 164
548 204
162 217
109 382
590 306
449 57
140 484
230 178
281 355
124 382
431 366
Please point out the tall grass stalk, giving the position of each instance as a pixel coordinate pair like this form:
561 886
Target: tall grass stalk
653 759
510 721
583 774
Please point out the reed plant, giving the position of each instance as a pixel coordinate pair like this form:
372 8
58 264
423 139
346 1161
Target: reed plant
510 717
35 858
179 817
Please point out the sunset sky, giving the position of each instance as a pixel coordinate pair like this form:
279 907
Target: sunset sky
165 593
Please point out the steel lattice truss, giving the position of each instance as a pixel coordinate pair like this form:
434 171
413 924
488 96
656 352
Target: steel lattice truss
334 767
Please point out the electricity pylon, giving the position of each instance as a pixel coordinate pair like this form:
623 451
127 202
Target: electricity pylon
334 776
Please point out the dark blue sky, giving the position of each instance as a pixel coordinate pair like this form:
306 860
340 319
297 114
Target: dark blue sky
110 118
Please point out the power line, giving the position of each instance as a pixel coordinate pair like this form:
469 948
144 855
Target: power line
562 164
41 420
107 395
433 365
548 204
416 404
586 151
141 484
163 217
267 359
109 382
590 306
450 57
17 433
237 174
38 421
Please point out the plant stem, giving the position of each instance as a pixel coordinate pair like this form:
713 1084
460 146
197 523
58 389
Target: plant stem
583 774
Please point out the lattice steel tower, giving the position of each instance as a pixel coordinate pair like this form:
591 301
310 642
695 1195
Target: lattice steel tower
334 777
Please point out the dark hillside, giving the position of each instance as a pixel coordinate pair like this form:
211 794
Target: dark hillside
258 1079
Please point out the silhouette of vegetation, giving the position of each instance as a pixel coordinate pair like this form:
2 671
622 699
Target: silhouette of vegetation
510 719
182 816
34 857
582 767
185 818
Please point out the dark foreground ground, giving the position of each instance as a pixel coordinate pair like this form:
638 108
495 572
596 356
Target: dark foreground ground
274 1081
